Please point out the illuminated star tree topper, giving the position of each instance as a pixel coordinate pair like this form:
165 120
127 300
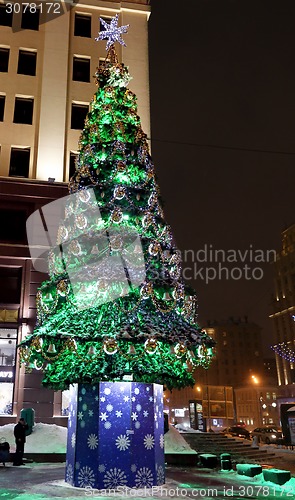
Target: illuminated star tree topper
112 32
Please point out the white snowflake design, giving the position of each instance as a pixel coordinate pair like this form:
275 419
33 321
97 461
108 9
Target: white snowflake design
133 468
103 416
144 478
133 399
90 413
162 441
123 442
134 416
110 408
138 407
126 399
107 390
160 475
137 425
70 474
114 478
101 468
107 425
96 398
149 441
86 477
103 399
119 413
77 465
94 387
73 440
80 415
145 413
92 441
151 398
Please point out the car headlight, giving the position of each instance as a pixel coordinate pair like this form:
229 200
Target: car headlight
273 436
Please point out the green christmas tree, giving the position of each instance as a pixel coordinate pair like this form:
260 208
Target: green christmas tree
115 303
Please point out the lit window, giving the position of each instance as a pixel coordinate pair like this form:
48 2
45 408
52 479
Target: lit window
23 110
81 69
27 60
19 162
82 25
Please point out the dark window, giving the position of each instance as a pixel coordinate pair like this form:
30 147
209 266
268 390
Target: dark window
2 106
23 110
30 20
13 226
5 17
4 59
79 112
27 62
106 20
81 69
82 25
10 277
72 169
19 162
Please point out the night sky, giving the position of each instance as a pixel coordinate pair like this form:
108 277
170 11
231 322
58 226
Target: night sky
222 76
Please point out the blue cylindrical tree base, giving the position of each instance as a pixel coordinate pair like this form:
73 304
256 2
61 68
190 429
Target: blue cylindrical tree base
116 435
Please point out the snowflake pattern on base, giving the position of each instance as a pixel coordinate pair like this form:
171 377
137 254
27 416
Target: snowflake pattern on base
92 441
160 475
149 441
70 474
144 478
86 477
114 478
123 442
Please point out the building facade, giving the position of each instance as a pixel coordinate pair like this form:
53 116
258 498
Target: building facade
201 407
283 309
47 63
257 405
238 353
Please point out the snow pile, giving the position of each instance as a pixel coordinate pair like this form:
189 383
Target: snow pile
51 438
45 438
175 443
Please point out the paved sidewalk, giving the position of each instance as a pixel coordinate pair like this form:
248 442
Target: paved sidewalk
45 482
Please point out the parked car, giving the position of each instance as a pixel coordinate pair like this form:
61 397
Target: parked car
267 434
237 431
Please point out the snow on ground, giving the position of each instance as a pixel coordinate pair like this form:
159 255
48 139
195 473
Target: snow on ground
51 438
45 438
175 443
